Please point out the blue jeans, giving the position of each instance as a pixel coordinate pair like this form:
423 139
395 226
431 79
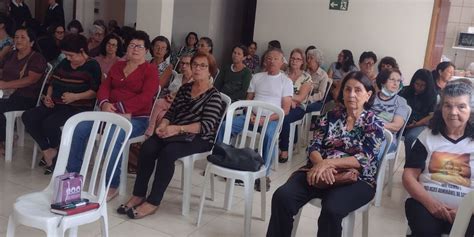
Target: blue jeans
316 106
411 134
238 126
293 116
79 142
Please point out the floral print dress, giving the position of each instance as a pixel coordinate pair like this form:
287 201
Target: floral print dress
332 139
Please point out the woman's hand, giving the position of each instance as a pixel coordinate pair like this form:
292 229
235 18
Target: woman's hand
294 104
69 97
441 211
167 131
108 107
149 131
323 170
260 122
48 102
170 98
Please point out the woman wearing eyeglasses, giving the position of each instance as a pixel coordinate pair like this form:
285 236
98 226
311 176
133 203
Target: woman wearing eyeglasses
302 84
388 105
188 127
128 90
72 89
161 51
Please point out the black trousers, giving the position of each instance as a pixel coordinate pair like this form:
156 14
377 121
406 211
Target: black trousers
12 104
423 224
336 202
164 154
44 123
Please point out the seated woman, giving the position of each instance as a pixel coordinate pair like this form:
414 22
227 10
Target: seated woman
160 50
438 170
205 45
442 75
98 32
338 70
49 45
252 61
314 59
195 113
234 80
128 90
6 30
189 47
421 97
388 105
301 89
72 89
348 137
163 104
111 50
21 73
387 63
74 27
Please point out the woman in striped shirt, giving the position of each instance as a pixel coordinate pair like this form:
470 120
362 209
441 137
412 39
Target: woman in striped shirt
188 127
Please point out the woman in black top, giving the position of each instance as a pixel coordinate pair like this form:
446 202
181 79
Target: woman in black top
195 114
421 97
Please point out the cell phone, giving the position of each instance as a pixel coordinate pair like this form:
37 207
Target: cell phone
70 205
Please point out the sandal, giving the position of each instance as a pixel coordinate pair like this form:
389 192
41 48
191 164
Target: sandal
123 209
50 169
282 159
42 162
133 213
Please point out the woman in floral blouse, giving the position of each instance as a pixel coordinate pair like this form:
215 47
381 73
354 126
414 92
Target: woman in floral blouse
252 61
347 137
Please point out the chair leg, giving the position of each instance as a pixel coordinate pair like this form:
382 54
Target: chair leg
380 185
348 225
73 231
105 224
296 222
188 170
229 193
124 170
11 226
203 195
365 223
212 188
291 141
391 166
263 197
20 128
275 158
35 154
9 136
248 188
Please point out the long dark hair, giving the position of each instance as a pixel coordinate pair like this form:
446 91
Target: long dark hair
360 77
428 97
348 61
455 88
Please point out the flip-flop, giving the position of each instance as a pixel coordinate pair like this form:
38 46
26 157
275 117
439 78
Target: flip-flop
282 159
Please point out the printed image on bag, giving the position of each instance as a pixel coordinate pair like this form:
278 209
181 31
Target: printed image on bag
67 187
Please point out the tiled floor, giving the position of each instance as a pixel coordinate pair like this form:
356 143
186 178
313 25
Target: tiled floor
16 178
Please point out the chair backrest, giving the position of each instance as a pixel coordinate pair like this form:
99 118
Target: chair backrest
109 125
251 131
400 132
227 101
174 74
388 139
176 65
47 73
463 216
328 89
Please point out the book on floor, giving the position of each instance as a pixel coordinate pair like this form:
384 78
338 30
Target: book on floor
77 210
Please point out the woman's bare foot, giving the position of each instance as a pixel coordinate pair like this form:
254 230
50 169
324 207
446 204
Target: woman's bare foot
49 155
145 209
112 193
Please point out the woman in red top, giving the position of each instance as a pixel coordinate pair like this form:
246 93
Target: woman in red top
128 90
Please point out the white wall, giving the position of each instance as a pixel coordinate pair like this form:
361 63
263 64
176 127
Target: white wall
190 16
130 17
397 28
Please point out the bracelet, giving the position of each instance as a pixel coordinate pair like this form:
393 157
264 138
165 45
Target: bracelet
181 130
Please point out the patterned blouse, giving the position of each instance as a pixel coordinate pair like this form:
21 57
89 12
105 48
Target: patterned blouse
6 42
252 63
333 140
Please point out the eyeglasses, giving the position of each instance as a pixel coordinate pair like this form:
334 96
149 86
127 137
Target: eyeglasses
185 63
200 66
136 46
296 59
395 80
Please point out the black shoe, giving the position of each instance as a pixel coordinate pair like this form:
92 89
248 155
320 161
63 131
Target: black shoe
42 162
282 159
49 169
257 185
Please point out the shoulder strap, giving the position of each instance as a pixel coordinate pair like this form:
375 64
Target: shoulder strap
22 72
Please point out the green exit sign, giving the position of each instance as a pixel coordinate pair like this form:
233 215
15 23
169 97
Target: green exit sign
340 5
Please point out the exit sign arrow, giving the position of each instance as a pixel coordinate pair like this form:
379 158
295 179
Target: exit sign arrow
340 5
333 4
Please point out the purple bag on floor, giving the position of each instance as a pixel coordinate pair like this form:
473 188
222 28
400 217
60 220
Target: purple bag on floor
67 187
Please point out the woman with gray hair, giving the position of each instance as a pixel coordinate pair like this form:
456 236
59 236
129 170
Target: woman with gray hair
314 59
438 171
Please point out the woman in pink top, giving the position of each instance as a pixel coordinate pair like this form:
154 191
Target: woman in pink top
111 50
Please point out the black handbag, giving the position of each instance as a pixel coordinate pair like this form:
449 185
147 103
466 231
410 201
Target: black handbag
244 159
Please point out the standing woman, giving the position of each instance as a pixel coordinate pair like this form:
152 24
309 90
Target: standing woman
301 89
161 51
189 47
196 111
21 74
6 30
72 89
128 90
111 50
235 79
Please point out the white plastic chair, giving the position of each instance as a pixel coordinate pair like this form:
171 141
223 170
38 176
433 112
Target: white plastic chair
463 216
307 119
188 165
34 209
126 152
349 221
15 116
391 158
247 177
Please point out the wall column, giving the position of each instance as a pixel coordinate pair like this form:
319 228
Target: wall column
155 17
